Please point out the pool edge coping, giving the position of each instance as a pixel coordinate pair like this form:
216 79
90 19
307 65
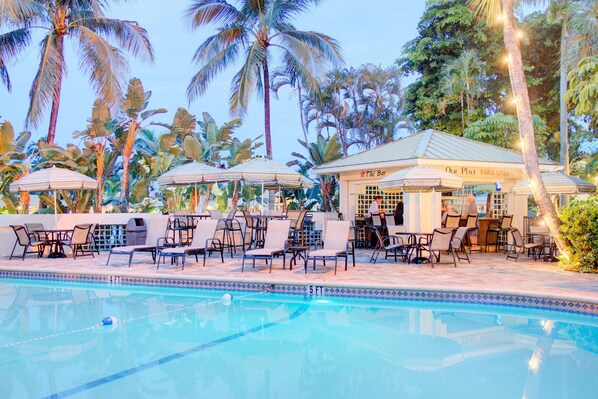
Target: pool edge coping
539 300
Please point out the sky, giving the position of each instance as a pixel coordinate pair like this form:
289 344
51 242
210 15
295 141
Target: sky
369 32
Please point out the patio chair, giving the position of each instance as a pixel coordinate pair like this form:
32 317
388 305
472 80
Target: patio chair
34 228
440 241
156 238
79 241
472 230
216 214
27 241
458 244
336 245
203 242
232 230
452 220
390 243
536 248
275 243
297 224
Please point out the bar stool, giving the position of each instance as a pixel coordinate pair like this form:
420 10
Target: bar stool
500 231
472 226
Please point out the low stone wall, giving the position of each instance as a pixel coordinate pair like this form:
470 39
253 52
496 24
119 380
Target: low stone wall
68 221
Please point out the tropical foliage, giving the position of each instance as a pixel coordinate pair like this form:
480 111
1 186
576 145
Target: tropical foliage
580 226
13 165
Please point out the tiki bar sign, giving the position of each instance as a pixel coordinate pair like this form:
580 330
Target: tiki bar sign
372 174
478 172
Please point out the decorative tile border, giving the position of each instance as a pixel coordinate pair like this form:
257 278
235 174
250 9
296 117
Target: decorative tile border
569 306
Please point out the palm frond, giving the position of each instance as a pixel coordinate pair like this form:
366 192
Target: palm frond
11 44
18 11
490 10
129 35
106 66
220 58
328 47
245 82
49 74
204 12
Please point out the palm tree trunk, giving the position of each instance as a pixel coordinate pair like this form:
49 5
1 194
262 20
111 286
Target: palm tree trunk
267 109
56 96
207 199
125 190
564 112
100 177
462 114
526 127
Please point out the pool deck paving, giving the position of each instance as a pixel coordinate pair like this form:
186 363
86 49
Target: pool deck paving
487 273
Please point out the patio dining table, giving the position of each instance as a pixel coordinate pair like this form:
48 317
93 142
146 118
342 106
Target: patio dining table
548 243
416 246
54 238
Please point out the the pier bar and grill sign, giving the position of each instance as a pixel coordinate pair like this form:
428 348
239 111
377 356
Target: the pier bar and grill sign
372 174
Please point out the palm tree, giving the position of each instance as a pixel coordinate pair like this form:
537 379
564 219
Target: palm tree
255 28
502 11
463 79
134 105
84 22
98 134
579 39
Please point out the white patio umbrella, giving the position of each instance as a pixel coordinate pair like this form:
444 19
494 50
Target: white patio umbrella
191 173
54 179
557 183
421 179
264 172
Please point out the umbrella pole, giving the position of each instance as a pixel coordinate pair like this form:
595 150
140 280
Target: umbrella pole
262 197
55 209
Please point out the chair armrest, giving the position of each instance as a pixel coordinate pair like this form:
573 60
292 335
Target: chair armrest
256 244
164 240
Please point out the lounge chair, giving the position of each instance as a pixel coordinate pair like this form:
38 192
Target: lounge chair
275 243
80 241
336 244
203 242
27 241
156 238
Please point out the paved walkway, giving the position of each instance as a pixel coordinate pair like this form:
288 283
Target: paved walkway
488 273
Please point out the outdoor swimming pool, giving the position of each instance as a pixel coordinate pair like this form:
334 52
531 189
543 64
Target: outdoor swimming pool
189 343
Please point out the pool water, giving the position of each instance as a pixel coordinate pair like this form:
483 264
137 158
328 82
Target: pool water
182 343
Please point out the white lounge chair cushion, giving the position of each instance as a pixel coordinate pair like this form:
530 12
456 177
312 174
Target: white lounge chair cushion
180 250
325 252
262 251
132 248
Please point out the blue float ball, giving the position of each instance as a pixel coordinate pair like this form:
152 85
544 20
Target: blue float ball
108 321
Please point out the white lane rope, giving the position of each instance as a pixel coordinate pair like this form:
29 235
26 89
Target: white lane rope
226 298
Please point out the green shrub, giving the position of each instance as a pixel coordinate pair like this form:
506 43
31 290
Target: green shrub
579 225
